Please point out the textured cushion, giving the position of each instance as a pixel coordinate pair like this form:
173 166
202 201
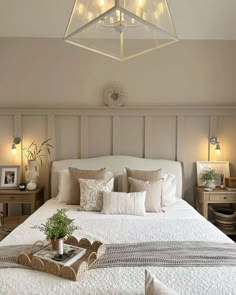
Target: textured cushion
153 192
124 203
140 175
85 174
154 287
91 193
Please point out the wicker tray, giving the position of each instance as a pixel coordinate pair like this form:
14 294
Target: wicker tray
71 272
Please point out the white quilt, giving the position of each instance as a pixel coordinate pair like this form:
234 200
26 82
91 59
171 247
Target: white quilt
180 222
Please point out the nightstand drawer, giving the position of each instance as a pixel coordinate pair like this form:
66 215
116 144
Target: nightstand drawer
222 198
14 198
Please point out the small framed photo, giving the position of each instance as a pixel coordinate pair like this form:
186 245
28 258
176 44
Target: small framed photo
220 167
9 176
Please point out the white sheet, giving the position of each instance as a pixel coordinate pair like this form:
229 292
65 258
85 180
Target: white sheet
180 222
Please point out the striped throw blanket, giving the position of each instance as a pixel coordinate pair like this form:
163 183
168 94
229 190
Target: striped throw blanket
164 254
9 254
167 254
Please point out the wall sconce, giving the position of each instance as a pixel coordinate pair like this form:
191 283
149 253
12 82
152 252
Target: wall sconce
16 141
214 141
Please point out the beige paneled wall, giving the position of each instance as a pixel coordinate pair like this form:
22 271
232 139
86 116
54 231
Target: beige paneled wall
171 133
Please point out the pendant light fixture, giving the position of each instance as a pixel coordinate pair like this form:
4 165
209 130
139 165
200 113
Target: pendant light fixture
121 29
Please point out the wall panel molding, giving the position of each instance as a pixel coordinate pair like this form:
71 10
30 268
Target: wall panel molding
140 131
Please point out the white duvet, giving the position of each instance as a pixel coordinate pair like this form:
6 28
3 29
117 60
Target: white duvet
179 222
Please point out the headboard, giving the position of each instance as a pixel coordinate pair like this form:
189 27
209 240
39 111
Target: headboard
116 165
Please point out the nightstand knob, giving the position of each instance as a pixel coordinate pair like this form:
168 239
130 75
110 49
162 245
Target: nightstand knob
12 197
225 198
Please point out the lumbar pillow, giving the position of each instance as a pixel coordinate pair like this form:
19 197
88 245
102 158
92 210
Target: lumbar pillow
124 203
91 193
85 174
153 192
140 175
154 287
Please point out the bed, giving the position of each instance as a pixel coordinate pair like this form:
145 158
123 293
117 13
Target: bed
179 222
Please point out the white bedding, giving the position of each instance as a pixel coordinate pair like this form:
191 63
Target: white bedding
179 222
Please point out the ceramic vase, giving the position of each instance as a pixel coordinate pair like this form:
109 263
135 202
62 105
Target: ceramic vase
32 173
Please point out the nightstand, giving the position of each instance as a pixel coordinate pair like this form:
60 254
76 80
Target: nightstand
218 196
34 198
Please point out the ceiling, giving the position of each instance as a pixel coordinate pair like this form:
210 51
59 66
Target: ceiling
194 19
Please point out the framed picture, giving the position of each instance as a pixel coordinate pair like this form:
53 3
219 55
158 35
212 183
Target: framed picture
220 167
9 176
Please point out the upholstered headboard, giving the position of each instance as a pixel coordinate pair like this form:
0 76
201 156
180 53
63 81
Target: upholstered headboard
116 165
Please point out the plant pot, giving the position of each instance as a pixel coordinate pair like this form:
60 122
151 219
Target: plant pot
55 243
210 184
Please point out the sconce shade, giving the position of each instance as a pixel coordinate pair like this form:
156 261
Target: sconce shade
121 29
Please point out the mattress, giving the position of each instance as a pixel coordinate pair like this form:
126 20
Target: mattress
179 222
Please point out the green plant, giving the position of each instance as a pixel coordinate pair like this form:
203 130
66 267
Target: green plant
208 175
59 225
34 151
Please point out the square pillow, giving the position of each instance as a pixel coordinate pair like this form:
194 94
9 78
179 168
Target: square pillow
124 203
153 192
140 175
155 287
75 174
91 193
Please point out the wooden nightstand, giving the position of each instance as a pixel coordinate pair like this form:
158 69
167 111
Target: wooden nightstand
218 196
34 198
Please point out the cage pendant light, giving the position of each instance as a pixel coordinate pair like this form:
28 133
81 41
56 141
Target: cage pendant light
121 29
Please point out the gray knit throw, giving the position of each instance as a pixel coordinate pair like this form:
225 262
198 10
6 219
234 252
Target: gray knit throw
9 254
166 254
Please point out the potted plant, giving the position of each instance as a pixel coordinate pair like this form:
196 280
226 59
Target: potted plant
33 153
58 226
208 177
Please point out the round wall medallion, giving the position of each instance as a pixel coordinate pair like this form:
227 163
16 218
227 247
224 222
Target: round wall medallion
114 97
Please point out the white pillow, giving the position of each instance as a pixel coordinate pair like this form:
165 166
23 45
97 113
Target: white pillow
65 183
64 187
154 287
91 193
124 203
168 191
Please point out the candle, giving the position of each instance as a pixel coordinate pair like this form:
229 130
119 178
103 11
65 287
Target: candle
60 247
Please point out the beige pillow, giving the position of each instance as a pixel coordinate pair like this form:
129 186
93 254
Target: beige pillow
140 175
154 287
153 192
85 174
91 193
124 203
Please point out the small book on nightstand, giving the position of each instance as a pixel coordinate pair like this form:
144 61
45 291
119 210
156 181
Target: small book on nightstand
231 189
71 254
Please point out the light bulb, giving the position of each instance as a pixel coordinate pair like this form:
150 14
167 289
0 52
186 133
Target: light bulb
140 3
160 8
13 149
102 3
81 9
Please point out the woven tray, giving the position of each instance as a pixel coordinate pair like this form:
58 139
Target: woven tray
71 272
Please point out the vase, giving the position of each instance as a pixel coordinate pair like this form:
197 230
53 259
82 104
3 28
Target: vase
31 186
32 172
210 184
